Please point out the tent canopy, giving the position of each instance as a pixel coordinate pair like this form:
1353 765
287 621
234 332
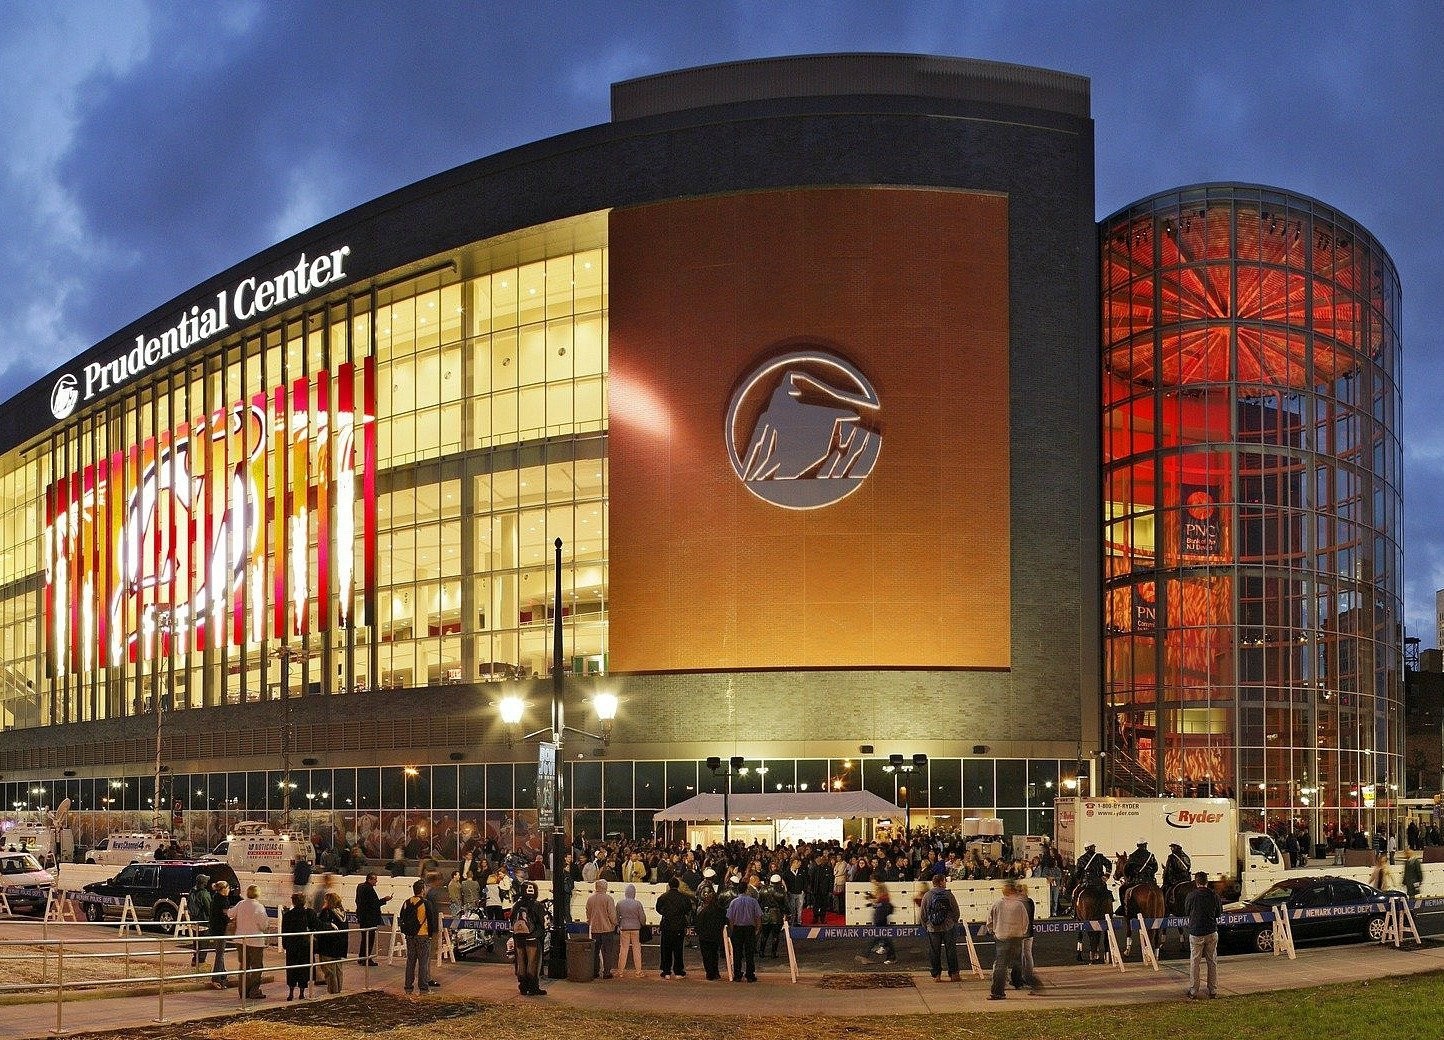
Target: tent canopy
845 805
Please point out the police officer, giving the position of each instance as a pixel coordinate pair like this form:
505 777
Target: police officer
1092 868
1177 868
1140 866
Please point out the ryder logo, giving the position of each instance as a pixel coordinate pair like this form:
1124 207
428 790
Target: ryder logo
803 430
1183 819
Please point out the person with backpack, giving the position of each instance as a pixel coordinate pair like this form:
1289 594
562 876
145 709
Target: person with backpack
527 925
415 924
940 916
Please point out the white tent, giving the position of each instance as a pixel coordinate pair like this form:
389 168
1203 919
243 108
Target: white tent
832 805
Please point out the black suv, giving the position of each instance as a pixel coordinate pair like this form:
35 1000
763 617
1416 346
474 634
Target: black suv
156 890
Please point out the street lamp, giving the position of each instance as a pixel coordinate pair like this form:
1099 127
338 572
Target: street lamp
714 764
898 764
511 708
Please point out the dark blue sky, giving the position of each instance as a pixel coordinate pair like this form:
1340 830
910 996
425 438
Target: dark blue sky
148 145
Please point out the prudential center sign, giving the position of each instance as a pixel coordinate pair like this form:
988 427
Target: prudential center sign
249 299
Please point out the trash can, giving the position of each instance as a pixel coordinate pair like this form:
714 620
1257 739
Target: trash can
1321 850
579 958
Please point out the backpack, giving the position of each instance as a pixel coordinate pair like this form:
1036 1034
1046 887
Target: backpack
938 913
409 920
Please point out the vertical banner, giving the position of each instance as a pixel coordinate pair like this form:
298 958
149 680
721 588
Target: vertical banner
324 436
1145 606
298 513
546 786
368 500
280 491
345 455
73 510
52 615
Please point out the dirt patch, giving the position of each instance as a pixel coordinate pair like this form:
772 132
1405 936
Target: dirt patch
867 980
364 1013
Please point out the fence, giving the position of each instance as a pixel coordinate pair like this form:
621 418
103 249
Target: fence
71 953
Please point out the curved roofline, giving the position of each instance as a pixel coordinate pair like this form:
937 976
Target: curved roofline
821 75
1220 188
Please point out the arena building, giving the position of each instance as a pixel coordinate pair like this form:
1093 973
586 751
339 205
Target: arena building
799 359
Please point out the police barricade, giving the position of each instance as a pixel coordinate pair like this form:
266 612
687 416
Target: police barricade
975 898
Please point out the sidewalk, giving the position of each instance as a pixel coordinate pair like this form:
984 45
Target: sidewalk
1067 987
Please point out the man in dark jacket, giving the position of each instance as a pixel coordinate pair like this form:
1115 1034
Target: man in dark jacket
368 916
673 908
1202 907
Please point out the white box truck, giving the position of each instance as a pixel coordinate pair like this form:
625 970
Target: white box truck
1206 828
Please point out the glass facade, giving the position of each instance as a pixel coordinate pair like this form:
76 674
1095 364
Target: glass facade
356 494
441 807
1251 504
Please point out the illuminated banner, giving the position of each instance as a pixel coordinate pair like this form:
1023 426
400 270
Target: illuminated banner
172 544
1200 520
1145 606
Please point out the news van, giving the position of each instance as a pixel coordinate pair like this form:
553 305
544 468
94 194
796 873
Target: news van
254 846
119 848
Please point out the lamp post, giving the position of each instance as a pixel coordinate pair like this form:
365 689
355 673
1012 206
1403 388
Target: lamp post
511 708
714 763
898 764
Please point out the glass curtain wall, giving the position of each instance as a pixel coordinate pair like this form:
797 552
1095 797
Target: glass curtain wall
359 494
1252 505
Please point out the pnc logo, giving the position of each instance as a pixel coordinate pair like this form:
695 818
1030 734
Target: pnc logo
803 429
1185 818
65 396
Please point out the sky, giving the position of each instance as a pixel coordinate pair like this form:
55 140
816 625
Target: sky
146 146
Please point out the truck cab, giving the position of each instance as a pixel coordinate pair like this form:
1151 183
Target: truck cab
1261 865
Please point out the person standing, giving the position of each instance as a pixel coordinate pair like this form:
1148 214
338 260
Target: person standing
220 906
631 915
940 915
673 908
198 908
744 915
1202 907
252 923
331 941
415 924
368 918
298 923
773 899
709 924
1413 873
527 925
1008 921
436 904
602 925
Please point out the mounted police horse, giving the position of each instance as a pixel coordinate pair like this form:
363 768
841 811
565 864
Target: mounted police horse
1092 902
1141 897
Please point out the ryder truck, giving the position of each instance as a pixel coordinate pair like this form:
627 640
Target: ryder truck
1206 828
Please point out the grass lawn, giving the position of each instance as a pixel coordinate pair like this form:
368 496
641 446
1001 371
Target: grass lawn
1400 1008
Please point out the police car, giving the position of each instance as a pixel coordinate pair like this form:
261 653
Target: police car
23 880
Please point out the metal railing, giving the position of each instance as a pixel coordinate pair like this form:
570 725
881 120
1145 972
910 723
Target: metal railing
68 951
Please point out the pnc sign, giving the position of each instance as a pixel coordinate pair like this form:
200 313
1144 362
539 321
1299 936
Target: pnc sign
804 429
249 299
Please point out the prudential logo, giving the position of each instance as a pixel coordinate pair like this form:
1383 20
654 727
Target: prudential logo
804 430
64 397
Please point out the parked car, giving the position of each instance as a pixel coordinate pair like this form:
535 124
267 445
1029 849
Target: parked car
157 890
1320 908
22 872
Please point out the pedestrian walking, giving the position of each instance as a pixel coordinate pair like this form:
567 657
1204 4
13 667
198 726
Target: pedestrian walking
1202 907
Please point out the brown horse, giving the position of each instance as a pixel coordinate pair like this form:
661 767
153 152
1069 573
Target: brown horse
1138 897
1093 903
1178 892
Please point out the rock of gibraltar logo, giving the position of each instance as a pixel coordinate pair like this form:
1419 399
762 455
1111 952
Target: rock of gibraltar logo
804 430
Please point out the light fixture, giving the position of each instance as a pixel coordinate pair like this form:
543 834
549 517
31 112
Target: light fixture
511 707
